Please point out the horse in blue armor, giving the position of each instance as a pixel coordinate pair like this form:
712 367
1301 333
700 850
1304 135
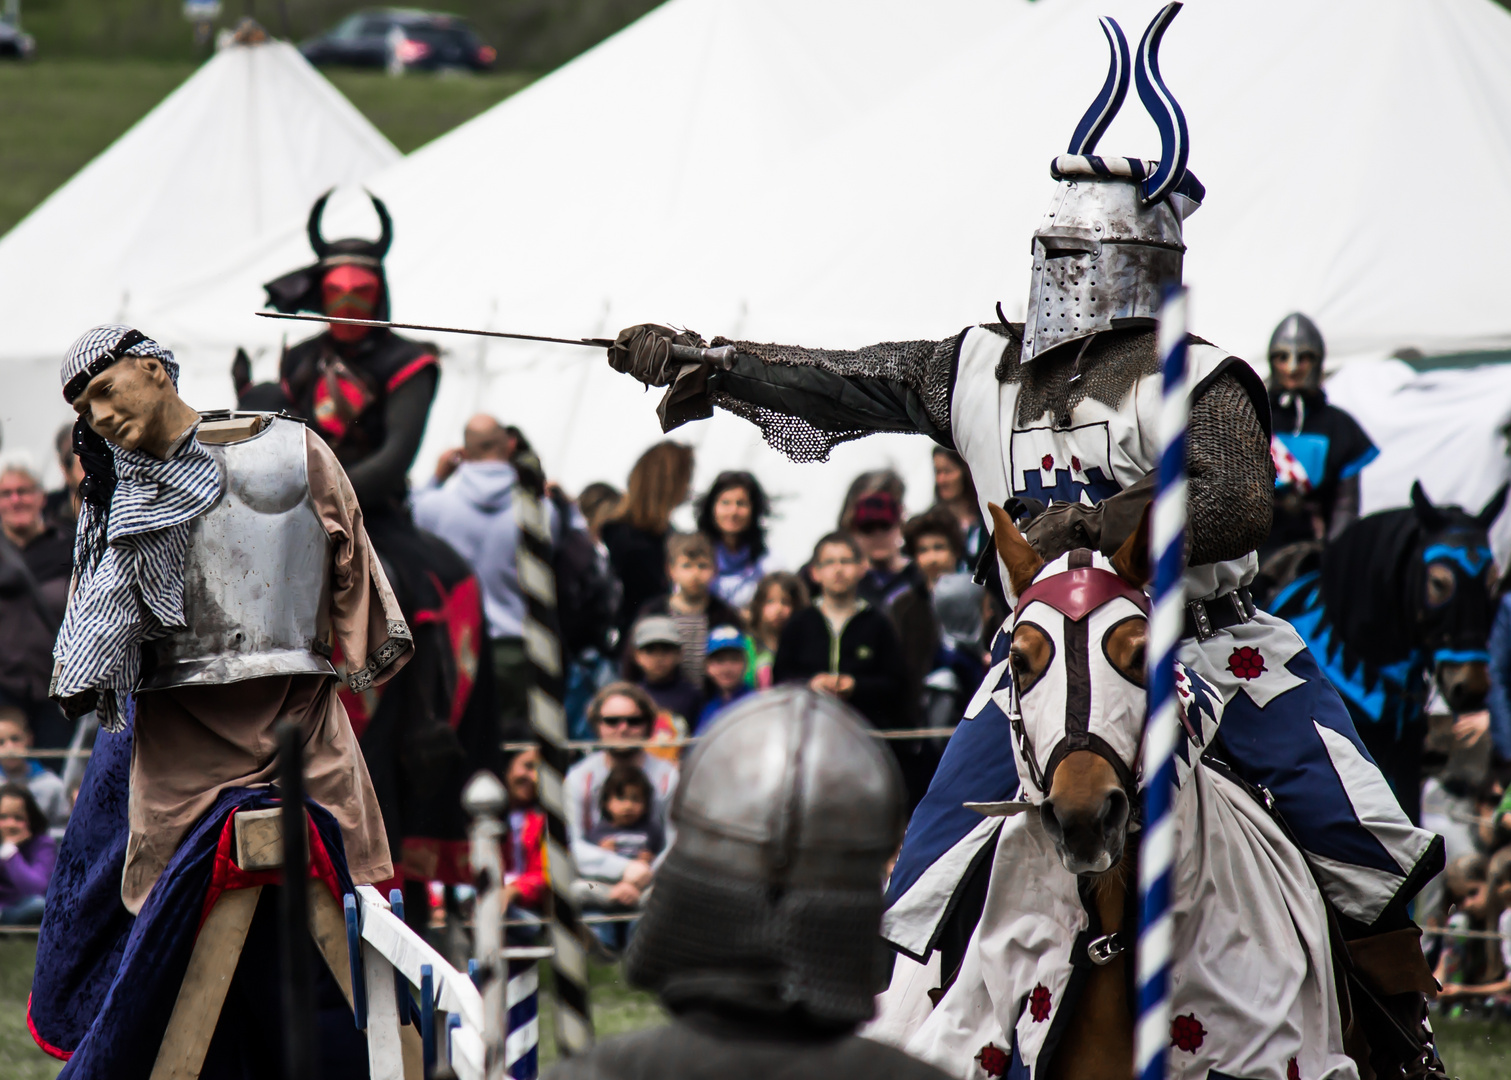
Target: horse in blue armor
1400 600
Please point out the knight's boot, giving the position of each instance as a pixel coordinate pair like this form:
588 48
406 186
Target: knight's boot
1397 985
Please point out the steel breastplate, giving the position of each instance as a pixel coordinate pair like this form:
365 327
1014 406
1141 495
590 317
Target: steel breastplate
256 572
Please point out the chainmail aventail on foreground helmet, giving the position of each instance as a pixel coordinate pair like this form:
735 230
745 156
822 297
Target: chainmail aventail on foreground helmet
770 899
1111 241
1297 335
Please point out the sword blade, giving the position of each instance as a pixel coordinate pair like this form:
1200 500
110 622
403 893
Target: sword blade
592 343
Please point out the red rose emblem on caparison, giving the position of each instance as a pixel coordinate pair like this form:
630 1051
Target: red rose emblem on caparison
1038 1004
992 1059
1246 662
1186 1033
1292 1070
1047 463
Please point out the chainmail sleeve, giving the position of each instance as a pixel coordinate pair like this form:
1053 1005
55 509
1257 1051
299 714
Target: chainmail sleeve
808 401
1232 478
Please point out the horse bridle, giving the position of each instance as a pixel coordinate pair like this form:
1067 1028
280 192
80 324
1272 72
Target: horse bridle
1075 593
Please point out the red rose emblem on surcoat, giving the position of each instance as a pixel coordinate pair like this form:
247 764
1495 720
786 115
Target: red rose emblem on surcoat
1292 1070
1038 1004
1186 1033
992 1059
1047 463
1246 662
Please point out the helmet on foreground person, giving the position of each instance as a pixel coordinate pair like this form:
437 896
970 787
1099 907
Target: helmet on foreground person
770 899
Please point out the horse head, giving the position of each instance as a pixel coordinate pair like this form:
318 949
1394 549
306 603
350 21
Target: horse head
1077 690
1449 590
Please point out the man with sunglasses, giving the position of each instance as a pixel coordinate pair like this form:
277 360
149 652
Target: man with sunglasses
620 713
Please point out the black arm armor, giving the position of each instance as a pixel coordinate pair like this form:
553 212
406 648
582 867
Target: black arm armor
379 478
807 401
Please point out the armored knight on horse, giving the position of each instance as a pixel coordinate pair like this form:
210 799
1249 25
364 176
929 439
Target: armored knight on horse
367 392
1060 410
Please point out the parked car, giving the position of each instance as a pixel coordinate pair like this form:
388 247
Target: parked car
401 38
14 44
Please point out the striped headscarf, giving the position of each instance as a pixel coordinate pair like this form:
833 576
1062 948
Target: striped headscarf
133 532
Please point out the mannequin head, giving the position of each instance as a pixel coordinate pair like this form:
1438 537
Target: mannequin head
133 404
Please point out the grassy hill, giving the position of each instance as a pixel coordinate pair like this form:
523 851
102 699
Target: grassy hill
535 35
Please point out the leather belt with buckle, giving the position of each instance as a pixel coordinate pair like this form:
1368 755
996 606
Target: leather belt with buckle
1101 951
1207 618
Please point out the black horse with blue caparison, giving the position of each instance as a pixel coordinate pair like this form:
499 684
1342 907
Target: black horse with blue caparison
1401 600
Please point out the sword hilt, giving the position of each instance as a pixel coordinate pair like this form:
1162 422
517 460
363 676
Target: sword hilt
722 358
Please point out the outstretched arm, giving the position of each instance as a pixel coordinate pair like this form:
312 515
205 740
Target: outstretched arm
806 401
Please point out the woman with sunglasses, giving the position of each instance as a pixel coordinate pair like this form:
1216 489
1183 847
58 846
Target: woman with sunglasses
621 713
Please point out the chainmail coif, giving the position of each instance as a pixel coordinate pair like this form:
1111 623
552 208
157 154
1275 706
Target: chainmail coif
817 950
925 367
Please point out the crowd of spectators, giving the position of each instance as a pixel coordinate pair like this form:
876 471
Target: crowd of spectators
665 628
36 565
1466 911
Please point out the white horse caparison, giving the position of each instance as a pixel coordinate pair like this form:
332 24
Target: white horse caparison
1045 987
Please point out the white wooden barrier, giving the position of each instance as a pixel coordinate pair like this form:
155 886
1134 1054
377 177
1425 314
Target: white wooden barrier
389 946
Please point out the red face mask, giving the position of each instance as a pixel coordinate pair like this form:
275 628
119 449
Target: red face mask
350 292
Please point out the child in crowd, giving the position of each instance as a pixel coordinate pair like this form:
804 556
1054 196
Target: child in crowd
626 828
841 645
691 607
525 883
16 768
27 855
1484 972
776 598
654 663
934 542
728 657
1466 964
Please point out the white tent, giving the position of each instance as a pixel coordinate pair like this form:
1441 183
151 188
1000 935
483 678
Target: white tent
237 151
831 173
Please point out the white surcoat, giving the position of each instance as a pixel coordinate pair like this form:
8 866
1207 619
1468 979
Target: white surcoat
1105 449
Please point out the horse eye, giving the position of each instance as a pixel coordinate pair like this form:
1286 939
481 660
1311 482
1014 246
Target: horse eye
1440 585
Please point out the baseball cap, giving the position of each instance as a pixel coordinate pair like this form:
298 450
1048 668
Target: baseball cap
655 630
723 638
878 510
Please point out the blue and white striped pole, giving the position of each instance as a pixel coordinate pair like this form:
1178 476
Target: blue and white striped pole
522 1048
1167 544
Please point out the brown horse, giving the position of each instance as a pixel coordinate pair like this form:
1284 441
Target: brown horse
1086 810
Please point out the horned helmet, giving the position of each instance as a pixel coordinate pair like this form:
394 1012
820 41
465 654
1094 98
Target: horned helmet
1111 244
347 279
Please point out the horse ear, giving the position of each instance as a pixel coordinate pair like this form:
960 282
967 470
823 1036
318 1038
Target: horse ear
1021 560
1426 513
1492 508
1131 560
